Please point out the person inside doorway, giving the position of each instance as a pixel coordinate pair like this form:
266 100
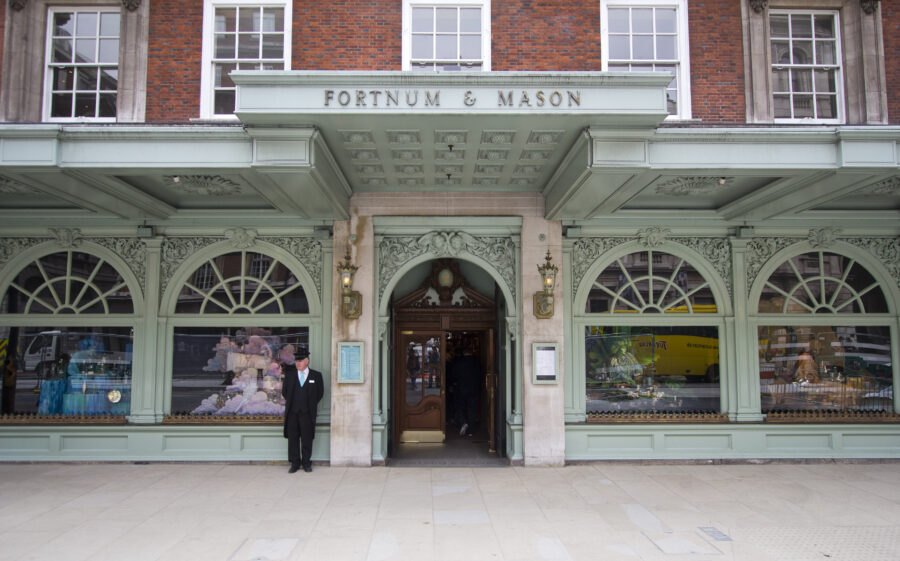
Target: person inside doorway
465 377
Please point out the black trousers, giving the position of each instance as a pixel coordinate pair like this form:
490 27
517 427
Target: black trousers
301 429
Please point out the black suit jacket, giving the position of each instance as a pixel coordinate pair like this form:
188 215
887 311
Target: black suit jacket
310 394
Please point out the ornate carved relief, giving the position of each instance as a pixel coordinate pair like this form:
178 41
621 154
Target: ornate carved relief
586 251
132 251
395 251
10 247
869 6
715 250
131 5
887 250
653 236
759 250
67 238
175 251
758 5
889 186
242 238
823 237
307 250
692 186
208 185
17 5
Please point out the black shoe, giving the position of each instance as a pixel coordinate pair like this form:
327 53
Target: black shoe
307 469
294 469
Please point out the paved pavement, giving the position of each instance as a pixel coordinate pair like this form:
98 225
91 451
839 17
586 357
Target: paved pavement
601 511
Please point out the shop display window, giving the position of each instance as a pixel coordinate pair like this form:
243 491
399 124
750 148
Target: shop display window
231 370
69 370
835 368
659 368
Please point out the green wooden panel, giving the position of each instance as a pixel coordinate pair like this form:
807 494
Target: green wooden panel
97 443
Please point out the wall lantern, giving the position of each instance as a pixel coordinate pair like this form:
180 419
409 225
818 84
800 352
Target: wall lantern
351 301
543 300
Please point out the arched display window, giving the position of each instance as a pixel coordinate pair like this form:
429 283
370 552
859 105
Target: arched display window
651 337
824 337
237 318
69 318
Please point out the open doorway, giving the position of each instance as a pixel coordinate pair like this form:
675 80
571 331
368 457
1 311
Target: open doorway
444 386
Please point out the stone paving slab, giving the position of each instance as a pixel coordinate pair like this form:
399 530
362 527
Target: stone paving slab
614 511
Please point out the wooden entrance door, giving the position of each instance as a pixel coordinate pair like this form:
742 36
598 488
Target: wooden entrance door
420 386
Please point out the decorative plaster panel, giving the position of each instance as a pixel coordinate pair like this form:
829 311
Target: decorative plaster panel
395 251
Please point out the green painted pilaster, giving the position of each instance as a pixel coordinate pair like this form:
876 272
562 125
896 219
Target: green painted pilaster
146 391
743 385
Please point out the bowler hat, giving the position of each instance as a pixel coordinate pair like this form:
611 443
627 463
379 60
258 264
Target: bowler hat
301 353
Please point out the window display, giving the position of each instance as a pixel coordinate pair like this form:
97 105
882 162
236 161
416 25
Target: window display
232 370
662 368
835 368
71 371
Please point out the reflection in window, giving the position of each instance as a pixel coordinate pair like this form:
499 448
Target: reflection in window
232 370
446 37
835 368
672 368
650 282
242 282
821 282
70 370
69 282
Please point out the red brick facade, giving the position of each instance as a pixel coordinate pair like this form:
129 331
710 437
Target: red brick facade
174 60
717 61
890 18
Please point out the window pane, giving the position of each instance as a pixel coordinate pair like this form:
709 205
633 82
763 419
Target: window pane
225 46
109 50
87 79
470 46
803 106
641 20
85 105
109 24
778 25
72 370
248 19
224 102
618 20
781 52
248 45
642 47
619 47
446 47
273 19
824 26
232 370
422 19
85 50
470 20
61 105
226 19
63 24
273 45
422 47
801 80
222 78
665 47
831 368
107 105
825 52
801 25
86 24
665 20
62 50
802 52
63 78
781 80
825 81
445 20
640 368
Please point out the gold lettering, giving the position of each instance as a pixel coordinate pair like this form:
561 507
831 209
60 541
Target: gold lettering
415 99
360 98
504 101
574 97
329 95
344 98
555 98
525 100
392 97
540 98
435 101
375 94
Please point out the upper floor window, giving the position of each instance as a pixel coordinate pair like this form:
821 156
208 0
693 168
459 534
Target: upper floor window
82 72
240 35
447 35
642 36
806 66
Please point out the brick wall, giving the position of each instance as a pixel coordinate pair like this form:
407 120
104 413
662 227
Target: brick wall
717 63
546 35
347 35
173 66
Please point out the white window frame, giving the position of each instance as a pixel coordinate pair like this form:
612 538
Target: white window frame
47 97
485 6
207 99
683 74
839 75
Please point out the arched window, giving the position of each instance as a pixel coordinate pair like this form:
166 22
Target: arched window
232 366
73 360
819 347
652 339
